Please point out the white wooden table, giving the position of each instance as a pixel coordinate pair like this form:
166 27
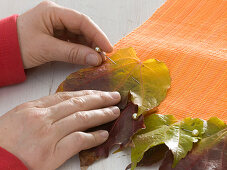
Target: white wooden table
117 18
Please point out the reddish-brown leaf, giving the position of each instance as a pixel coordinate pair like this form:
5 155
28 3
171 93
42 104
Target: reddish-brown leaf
95 78
120 134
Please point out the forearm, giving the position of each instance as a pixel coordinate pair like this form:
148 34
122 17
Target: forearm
11 65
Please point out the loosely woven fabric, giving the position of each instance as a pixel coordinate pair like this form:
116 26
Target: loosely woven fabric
190 36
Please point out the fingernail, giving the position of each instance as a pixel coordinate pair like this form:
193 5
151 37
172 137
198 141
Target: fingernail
115 95
104 134
92 60
115 110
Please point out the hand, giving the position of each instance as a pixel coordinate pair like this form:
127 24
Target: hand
50 32
45 133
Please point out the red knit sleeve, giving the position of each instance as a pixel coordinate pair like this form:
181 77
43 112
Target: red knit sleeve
9 162
11 71
11 65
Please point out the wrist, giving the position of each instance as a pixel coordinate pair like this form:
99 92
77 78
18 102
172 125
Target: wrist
20 40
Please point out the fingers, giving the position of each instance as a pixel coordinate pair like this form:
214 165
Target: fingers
75 38
56 98
71 37
81 121
76 22
73 53
83 103
77 141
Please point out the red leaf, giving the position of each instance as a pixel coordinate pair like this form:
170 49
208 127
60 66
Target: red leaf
120 134
95 78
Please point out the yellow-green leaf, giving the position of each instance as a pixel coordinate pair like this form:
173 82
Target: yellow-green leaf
147 81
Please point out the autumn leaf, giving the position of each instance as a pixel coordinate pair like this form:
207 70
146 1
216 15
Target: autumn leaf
177 136
147 81
153 135
209 153
163 130
120 134
214 125
180 139
153 155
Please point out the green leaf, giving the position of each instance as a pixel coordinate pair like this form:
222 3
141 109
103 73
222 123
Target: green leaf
156 126
180 139
156 121
163 129
208 153
214 125
209 142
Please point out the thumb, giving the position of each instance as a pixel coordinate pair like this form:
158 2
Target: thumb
73 53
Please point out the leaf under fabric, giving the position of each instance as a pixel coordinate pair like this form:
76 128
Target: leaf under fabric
209 153
147 81
178 137
120 134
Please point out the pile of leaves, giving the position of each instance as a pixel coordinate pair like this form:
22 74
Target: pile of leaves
152 137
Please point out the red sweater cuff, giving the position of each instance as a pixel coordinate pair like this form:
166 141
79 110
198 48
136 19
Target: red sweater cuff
9 162
11 65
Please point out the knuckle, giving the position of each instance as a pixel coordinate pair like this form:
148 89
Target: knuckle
108 111
34 115
47 7
104 97
85 17
73 55
82 116
46 2
87 20
95 139
79 138
86 143
25 105
62 96
88 92
79 101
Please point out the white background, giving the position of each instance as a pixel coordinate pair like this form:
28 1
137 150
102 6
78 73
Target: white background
117 18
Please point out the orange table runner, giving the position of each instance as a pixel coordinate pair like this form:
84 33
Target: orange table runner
190 36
